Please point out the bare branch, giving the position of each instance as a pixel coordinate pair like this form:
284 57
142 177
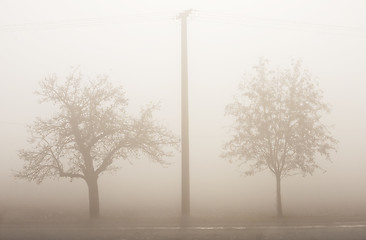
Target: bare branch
90 131
277 122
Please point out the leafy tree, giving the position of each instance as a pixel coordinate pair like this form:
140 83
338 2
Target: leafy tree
90 132
277 124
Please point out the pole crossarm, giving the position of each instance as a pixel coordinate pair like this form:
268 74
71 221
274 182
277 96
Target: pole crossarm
184 14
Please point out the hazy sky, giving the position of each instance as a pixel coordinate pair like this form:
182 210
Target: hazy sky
137 43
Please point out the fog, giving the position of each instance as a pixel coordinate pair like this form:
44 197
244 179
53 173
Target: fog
137 44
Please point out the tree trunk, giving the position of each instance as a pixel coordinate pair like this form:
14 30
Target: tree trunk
279 201
93 197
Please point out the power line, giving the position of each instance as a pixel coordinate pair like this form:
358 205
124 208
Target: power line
90 22
199 15
281 23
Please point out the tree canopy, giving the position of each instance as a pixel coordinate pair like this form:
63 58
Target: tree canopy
90 132
278 123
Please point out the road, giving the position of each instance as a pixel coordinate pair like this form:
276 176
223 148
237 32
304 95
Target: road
334 231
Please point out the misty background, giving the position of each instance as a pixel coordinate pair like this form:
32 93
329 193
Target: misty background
137 43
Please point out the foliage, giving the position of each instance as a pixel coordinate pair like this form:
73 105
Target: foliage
90 132
277 122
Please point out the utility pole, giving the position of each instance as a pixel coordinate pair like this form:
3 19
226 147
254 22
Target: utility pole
185 119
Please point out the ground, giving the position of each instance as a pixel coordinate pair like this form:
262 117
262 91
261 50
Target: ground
288 228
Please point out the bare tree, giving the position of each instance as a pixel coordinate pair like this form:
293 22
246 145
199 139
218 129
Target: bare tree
89 133
277 124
